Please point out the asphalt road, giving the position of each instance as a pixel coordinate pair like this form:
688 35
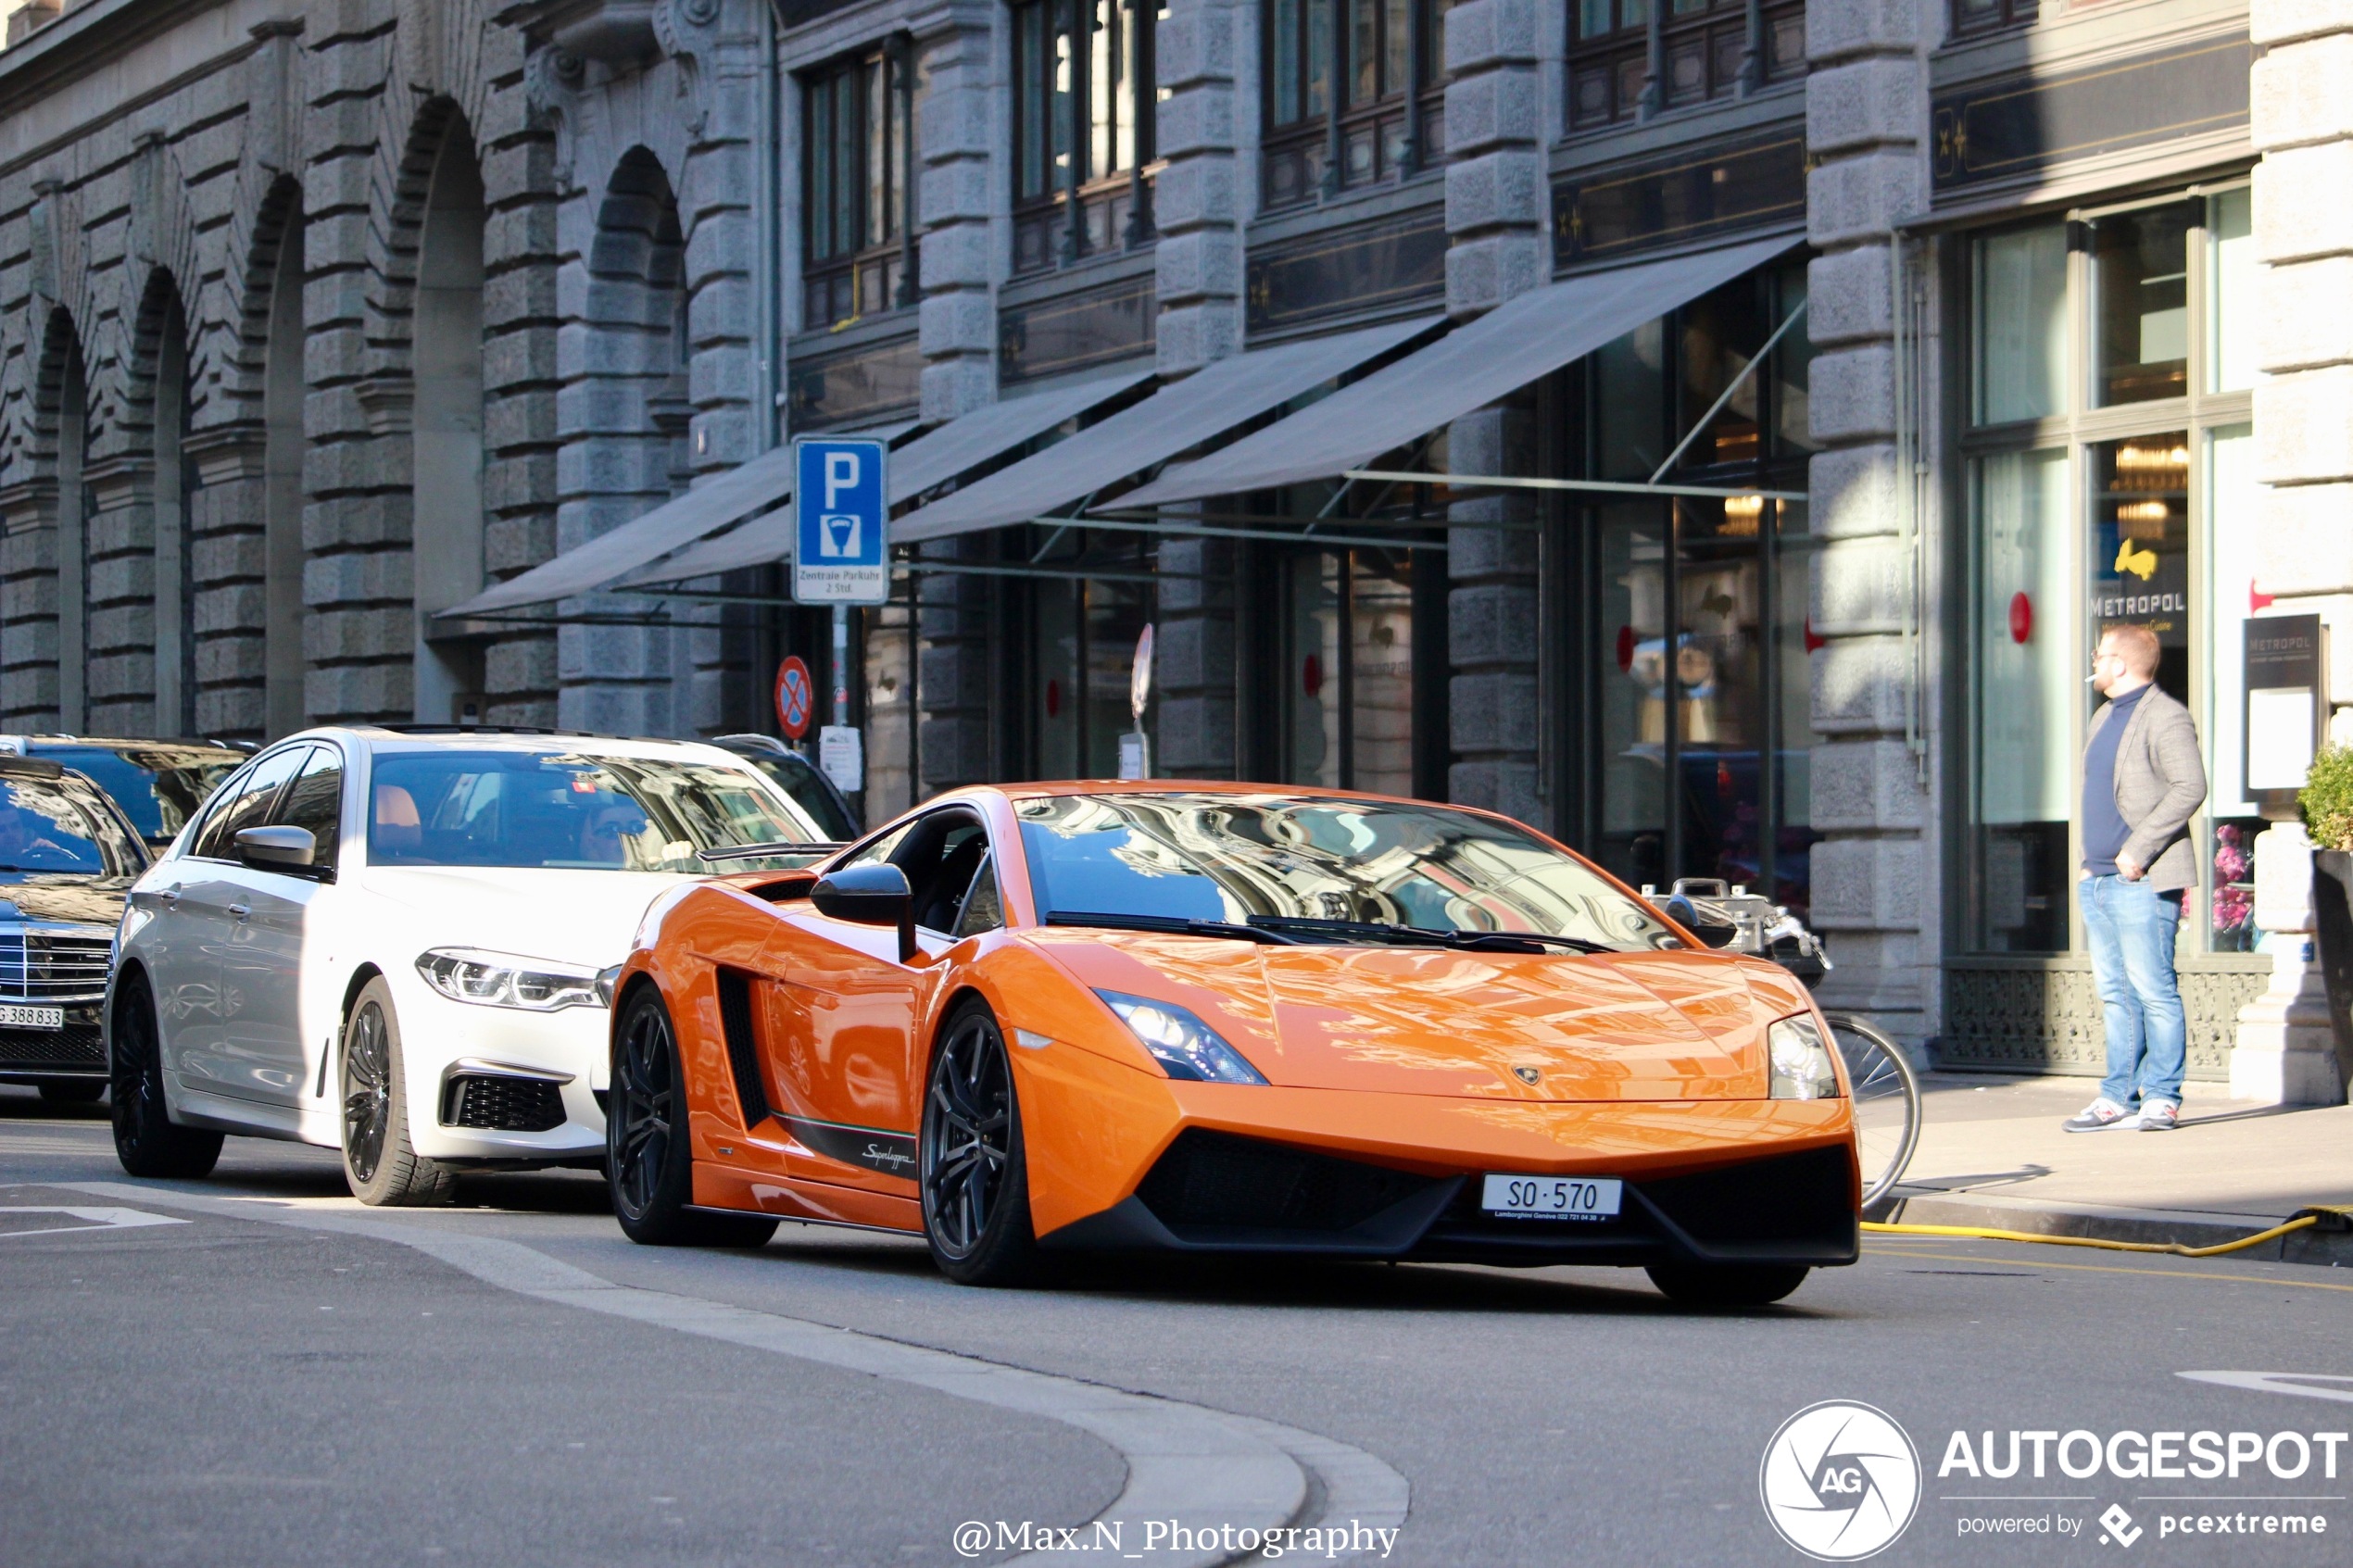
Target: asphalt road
252 1370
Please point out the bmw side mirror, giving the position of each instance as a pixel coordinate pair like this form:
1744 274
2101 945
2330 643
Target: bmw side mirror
874 894
1707 927
277 849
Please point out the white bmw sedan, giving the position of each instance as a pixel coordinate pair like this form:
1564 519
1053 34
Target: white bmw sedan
390 943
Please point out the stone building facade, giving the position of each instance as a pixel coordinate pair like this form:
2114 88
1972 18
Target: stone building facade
317 317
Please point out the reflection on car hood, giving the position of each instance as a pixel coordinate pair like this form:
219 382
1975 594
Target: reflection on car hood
574 916
1622 1026
90 900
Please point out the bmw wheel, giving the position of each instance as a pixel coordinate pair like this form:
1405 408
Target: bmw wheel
146 1139
647 1162
972 1173
378 1161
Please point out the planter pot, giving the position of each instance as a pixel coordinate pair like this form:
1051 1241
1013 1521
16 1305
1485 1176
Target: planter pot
2332 933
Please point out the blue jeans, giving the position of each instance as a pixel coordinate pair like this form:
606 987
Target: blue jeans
2131 927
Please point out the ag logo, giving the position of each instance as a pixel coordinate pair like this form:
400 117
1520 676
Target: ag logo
1840 1481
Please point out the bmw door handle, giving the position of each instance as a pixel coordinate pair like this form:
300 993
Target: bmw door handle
241 910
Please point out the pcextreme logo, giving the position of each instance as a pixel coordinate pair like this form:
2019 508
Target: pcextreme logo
1840 1481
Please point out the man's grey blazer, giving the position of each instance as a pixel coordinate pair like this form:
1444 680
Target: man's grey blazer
2160 783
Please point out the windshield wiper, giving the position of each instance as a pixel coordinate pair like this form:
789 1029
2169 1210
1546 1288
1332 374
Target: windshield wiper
1422 937
1179 923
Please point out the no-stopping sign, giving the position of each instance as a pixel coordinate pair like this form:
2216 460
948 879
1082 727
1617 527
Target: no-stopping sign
796 696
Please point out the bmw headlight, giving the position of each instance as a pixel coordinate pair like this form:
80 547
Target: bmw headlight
1801 1066
1181 1043
504 980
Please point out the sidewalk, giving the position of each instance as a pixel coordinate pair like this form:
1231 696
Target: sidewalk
1991 1155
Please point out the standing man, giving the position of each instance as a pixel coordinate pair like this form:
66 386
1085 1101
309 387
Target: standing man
2142 781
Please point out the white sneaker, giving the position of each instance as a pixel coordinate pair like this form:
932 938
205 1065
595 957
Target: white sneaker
2100 1116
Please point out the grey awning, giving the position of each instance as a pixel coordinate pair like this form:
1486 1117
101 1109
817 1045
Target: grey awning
1215 399
955 448
700 512
1514 344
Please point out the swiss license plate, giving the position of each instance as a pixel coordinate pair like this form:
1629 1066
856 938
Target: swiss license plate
13 1016
1553 1197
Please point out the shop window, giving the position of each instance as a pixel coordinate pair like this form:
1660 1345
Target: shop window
1384 120
2117 495
1080 651
2140 305
1084 99
1348 660
1991 15
1629 58
2233 593
1691 737
856 187
2024 692
2230 270
2021 324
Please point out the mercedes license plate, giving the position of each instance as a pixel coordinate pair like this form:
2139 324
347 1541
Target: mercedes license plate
1553 1197
13 1016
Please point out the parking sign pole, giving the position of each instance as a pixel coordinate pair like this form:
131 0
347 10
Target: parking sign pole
841 664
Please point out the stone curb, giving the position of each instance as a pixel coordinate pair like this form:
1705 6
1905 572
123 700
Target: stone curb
2191 1228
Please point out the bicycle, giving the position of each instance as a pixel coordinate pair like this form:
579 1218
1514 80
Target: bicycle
1886 1090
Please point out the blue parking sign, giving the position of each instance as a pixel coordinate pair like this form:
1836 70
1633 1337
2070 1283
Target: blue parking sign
841 552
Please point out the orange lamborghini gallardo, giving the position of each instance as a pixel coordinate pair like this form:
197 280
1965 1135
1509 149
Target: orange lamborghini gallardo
1192 1017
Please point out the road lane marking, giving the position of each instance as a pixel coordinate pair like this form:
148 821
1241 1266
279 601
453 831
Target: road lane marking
94 1219
1186 1462
2278 1382
2038 1265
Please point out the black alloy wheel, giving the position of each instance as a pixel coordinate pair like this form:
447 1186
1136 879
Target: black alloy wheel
648 1165
380 1164
974 1180
146 1139
367 1093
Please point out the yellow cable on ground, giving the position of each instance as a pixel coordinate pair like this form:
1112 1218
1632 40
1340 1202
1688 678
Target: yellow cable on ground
2174 1248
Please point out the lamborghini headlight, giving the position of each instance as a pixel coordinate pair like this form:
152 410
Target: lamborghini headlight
504 980
1181 1043
1801 1066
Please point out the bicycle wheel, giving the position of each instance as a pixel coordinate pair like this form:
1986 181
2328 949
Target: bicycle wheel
1887 1102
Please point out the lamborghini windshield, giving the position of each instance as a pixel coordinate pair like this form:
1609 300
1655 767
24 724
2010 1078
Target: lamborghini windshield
1304 868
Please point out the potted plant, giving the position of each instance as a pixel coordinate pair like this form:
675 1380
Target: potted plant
2327 803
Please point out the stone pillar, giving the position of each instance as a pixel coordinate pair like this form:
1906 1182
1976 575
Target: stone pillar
2286 1051
1193 659
518 382
1197 199
1872 872
1496 216
229 516
1495 193
964 191
956 678
2302 124
716 43
120 625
